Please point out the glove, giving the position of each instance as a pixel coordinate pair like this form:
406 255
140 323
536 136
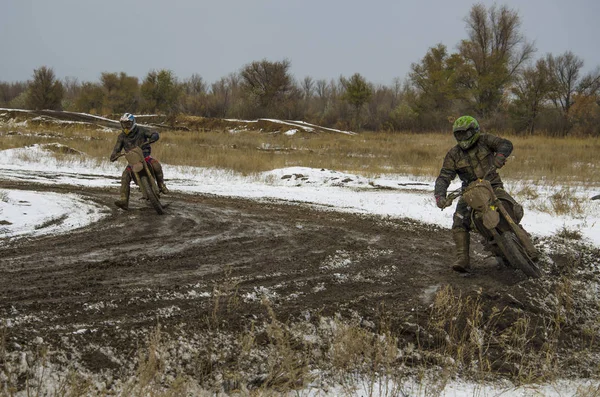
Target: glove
440 201
499 160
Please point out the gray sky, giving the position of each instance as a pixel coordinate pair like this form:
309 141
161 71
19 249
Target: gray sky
321 38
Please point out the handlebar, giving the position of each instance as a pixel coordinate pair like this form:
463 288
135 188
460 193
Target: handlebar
451 197
458 192
140 146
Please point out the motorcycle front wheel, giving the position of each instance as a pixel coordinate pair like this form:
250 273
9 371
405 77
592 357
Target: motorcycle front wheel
517 255
152 197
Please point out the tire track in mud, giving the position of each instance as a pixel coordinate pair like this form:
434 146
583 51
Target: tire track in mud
134 268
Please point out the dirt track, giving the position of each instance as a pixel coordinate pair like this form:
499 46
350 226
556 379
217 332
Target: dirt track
108 284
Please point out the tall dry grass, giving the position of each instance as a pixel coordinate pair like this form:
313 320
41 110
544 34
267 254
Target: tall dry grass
539 159
459 337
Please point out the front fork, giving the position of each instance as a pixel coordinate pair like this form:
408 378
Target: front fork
150 172
523 237
519 232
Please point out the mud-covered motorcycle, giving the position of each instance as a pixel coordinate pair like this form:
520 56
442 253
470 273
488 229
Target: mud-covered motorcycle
494 219
144 177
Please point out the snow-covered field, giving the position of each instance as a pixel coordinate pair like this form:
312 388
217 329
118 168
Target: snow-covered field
389 195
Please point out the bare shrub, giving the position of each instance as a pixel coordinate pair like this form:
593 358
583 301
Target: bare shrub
565 202
569 234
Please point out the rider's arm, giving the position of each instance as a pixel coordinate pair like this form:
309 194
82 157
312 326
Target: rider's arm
151 136
498 145
447 174
118 147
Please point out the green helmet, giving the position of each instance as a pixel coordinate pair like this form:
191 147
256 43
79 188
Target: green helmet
466 131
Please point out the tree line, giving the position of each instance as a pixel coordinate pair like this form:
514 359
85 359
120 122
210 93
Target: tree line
492 75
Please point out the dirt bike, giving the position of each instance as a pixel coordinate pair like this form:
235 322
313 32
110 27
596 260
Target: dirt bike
494 219
144 177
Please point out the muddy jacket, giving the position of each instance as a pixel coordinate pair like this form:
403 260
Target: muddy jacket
472 163
136 137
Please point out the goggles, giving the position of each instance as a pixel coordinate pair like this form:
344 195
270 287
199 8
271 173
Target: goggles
464 134
127 125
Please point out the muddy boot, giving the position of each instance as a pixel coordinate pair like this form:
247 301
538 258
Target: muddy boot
160 179
123 202
461 240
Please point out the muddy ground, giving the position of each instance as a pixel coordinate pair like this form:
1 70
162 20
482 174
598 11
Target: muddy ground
92 296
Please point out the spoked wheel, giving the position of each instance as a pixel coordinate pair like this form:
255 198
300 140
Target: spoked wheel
151 195
517 255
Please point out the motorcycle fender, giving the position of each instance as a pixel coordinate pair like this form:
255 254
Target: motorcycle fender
491 219
137 167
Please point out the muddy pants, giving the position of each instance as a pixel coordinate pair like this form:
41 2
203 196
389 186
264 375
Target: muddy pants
127 175
462 216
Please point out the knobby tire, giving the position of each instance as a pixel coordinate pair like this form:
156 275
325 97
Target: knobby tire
517 256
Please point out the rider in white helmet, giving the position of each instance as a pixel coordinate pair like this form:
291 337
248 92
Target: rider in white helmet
134 135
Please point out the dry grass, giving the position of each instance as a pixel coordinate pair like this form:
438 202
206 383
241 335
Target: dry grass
541 159
149 380
478 342
460 337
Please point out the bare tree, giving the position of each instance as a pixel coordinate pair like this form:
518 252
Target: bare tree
10 91
568 84
193 96
269 86
565 70
195 85
495 51
222 96
72 86
72 89
590 83
321 88
531 89
219 99
308 86
397 92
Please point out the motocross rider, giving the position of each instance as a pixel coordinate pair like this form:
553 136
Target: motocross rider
476 155
134 135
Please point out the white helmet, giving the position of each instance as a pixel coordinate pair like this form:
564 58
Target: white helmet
127 123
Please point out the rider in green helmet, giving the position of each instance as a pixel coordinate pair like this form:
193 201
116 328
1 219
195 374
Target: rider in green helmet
475 156
466 131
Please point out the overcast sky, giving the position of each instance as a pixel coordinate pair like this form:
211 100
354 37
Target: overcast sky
322 39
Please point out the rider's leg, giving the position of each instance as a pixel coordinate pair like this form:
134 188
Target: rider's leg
460 234
123 202
160 179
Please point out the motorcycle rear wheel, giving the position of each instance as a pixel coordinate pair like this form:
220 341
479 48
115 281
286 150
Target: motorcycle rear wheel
517 255
152 197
